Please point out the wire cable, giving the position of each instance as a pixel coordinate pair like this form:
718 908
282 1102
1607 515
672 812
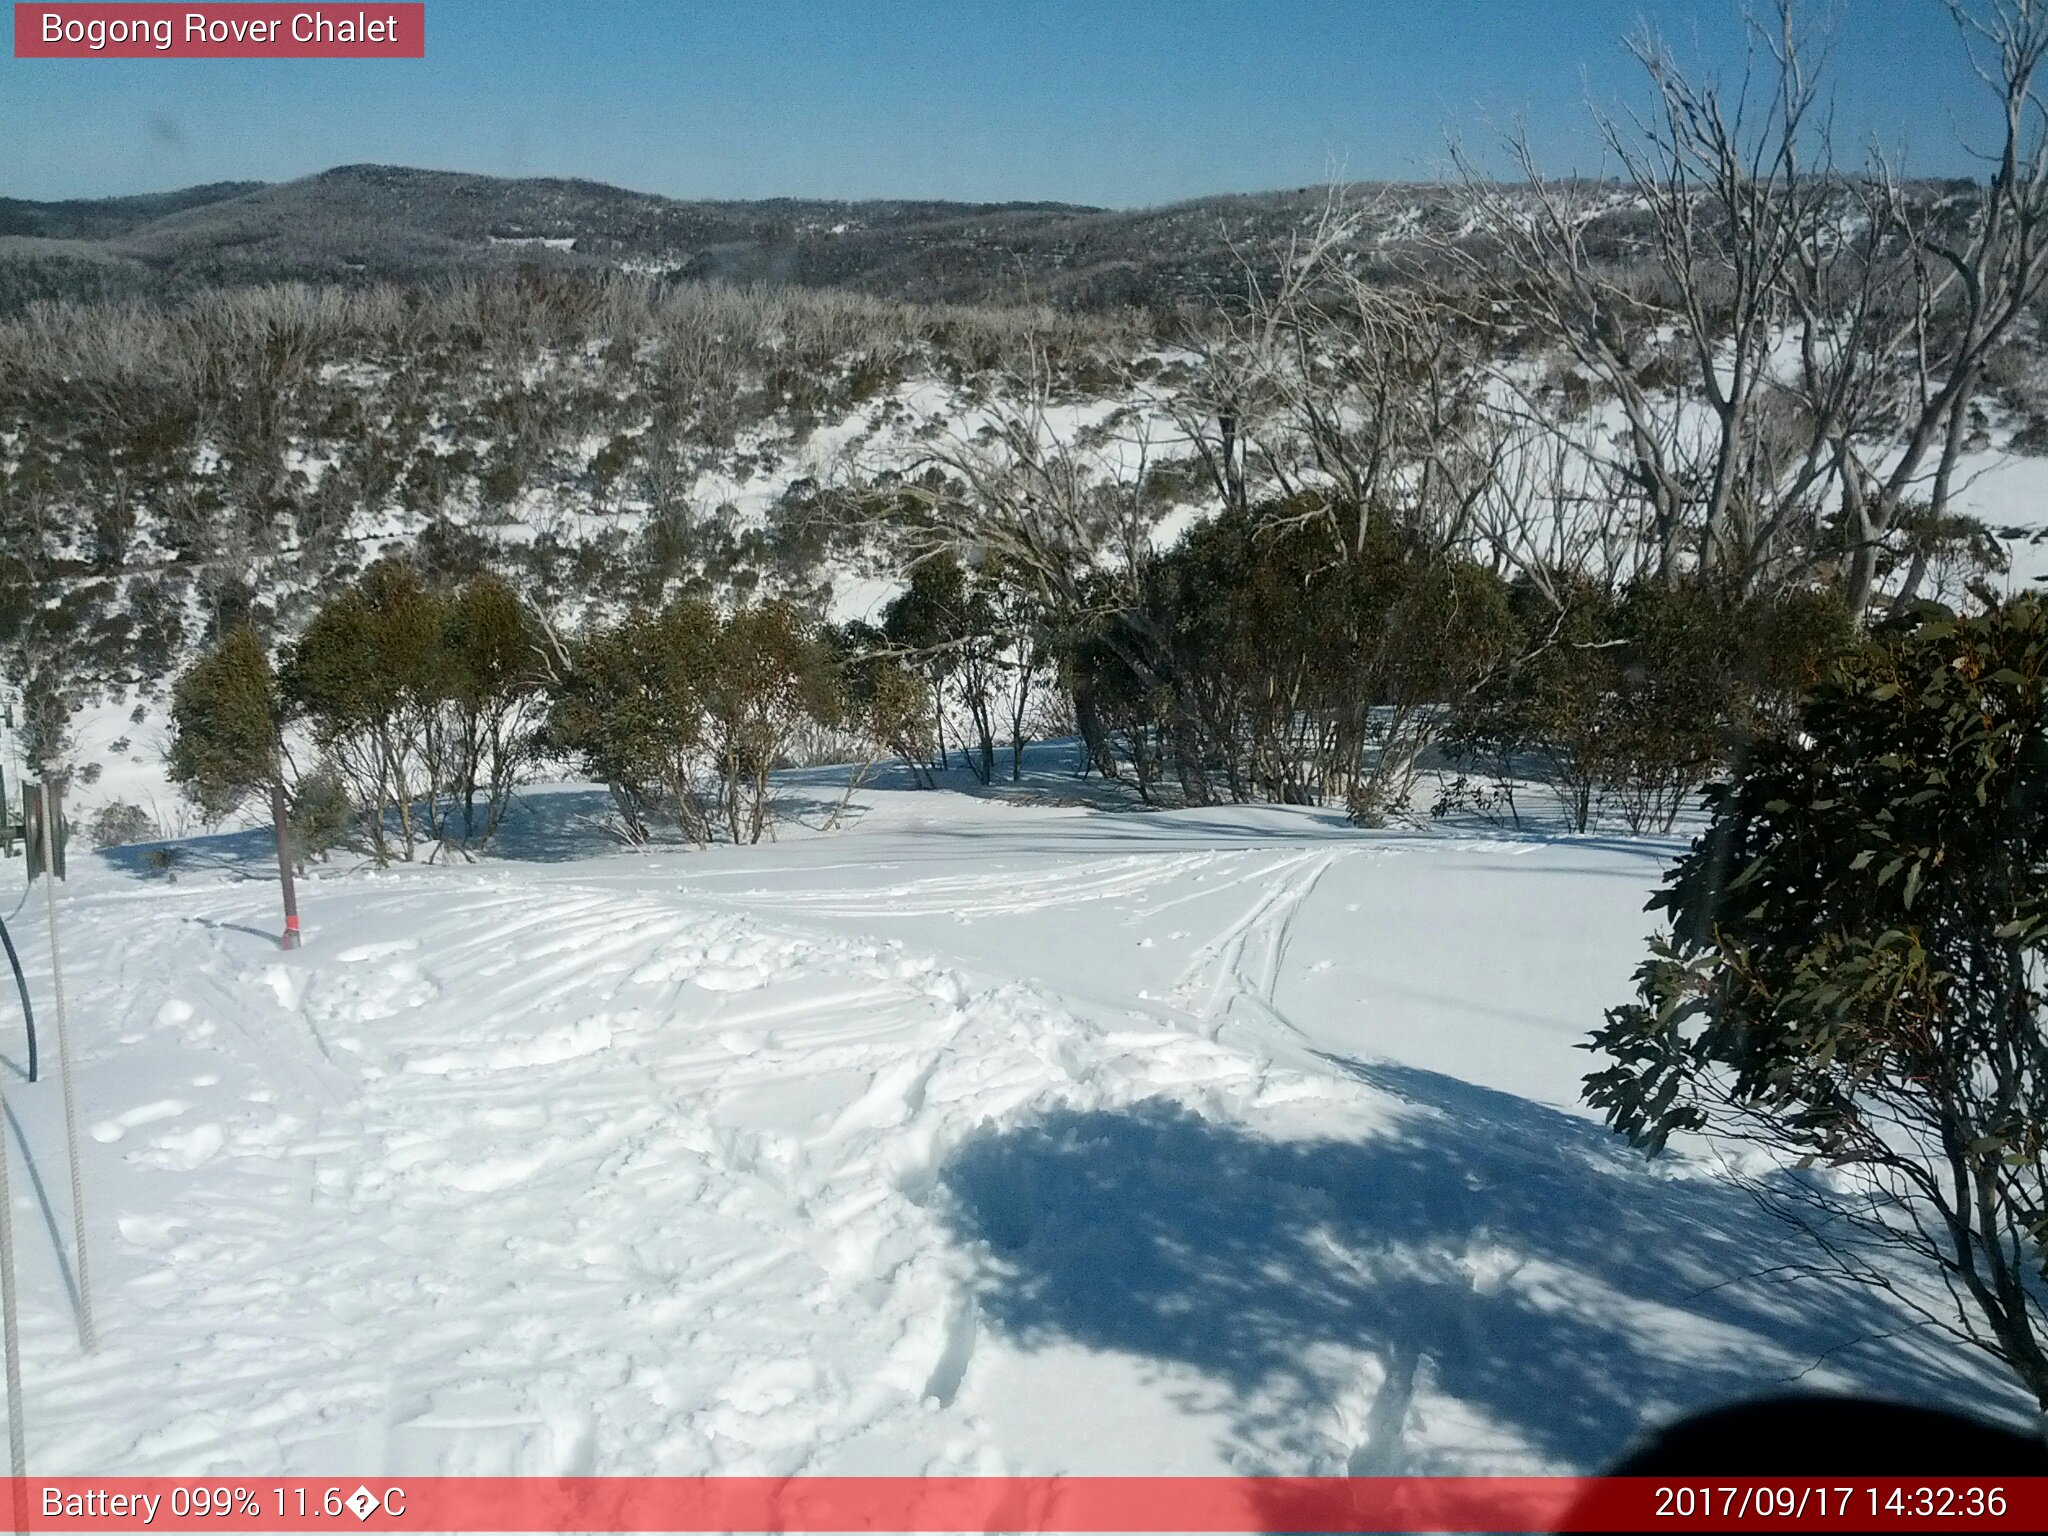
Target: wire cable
28 1011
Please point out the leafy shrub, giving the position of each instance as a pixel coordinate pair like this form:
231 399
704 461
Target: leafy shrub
419 698
685 714
1631 700
630 706
321 814
1276 661
1855 972
224 725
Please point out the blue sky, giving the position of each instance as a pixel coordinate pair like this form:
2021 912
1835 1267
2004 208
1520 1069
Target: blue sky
1118 102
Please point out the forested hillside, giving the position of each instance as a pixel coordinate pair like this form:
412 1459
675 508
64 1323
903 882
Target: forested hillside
365 224
1304 497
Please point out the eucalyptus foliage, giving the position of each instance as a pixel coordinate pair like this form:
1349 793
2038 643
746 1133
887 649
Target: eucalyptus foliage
1856 966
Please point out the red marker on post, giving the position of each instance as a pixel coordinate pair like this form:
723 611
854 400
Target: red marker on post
282 821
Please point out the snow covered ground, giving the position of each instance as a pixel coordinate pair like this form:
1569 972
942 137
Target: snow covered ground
976 1137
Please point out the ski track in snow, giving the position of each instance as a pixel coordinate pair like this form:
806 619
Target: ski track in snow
621 1167
639 1179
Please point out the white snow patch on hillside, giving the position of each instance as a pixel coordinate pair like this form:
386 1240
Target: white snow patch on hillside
2009 492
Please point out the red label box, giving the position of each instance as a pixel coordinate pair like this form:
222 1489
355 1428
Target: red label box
368 29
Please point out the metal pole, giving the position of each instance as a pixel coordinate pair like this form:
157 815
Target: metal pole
282 821
52 809
17 1444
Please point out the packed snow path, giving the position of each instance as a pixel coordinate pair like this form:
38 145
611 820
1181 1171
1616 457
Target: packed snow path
978 1138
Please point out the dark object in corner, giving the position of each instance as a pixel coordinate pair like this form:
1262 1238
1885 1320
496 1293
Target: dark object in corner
1811 1436
1817 1436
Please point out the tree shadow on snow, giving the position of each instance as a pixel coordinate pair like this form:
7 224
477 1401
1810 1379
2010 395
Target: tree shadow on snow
1518 1261
560 826
249 853
556 826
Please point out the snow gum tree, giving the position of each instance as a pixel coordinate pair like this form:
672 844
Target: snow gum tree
365 675
771 677
686 713
227 715
629 701
224 719
489 647
425 699
885 701
979 636
1857 968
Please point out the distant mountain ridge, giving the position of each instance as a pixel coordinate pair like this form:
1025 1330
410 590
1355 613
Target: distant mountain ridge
107 217
371 222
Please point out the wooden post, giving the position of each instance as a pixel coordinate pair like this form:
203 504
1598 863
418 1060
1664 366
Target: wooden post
282 820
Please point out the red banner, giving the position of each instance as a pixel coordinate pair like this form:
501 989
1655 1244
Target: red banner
1059 1504
215 31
